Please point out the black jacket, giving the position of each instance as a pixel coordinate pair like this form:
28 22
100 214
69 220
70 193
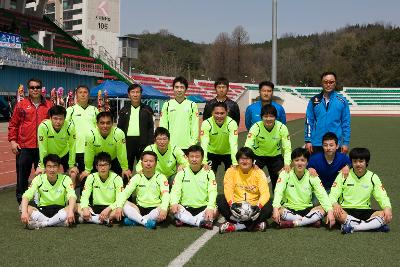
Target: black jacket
146 123
233 109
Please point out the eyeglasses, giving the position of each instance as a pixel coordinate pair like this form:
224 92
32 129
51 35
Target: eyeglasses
328 82
35 87
103 164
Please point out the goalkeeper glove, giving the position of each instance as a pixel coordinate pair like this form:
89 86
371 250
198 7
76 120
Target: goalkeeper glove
255 213
235 209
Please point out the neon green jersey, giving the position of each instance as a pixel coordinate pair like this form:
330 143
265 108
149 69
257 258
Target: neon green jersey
296 193
167 162
84 120
270 143
219 140
182 122
355 192
56 194
59 143
103 193
194 190
150 192
113 144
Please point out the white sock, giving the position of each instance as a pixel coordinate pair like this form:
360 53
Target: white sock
59 217
152 215
186 217
133 214
38 216
310 218
352 220
370 224
95 218
200 217
288 215
239 226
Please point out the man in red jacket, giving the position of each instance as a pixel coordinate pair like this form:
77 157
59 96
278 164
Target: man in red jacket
22 133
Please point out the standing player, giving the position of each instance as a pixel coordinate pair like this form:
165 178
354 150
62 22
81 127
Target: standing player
54 190
84 117
57 136
194 193
221 86
327 112
219 138
269 139
293 194
266 90
152 195
351 197
136 121
106 138
102 188
22 133
170 158
180 116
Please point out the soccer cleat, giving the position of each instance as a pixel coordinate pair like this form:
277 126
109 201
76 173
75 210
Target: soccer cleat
206 224
34 225
178 223
286 224
260 227
347 229
129 222
150 224
384 228
227 228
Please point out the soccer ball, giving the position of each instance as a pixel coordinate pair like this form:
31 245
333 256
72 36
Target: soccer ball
245 211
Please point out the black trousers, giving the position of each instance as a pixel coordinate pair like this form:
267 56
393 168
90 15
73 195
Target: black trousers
216 160
225 210
133 150
24 161
80 161
274 165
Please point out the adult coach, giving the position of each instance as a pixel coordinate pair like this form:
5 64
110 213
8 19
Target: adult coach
180 116
266 90
136 121
221 86
22 133
327 112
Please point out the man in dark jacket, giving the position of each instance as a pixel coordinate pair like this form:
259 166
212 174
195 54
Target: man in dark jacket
136 121
221 86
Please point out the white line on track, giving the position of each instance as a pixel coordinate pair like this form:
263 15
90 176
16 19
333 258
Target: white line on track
190 251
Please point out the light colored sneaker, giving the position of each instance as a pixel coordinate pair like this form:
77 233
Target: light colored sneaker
34 225
227 228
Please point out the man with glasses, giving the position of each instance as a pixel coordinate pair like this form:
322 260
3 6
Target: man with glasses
327 112
22 133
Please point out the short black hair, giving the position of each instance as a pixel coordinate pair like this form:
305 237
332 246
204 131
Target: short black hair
57 110
181 80
195 148
247 152
104 114
328 73
298 152
82 86
144 153
53 158
161 131
269 109
220 105
266 83
330 136
360 153
221 80
35 80
134 86
102 156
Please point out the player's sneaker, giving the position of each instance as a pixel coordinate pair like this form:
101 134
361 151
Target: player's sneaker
260 227
347 229
129 222
150 224
206 224
227 228
286 224
384 228
34 225
178 223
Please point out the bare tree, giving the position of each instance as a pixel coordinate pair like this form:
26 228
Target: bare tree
239 40
219 55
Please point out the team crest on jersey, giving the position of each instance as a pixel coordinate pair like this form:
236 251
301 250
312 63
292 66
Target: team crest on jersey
316 100
123 141
235 132
71 185
197 114
383 188
40 138
201 132
334 184
214 182
279 180
166 183
249 135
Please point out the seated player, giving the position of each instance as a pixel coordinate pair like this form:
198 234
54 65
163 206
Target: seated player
53 189
57 136
351 197
100 193
219 138
194 192
170 158
244 183
152 195
292 205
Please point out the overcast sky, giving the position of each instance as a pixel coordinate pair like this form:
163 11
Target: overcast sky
203 20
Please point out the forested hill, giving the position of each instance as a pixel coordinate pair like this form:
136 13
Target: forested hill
361 55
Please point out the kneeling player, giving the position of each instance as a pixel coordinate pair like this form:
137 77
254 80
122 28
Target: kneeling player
244 183
194 192
352 197
295 190
103 188
152 195
53 190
